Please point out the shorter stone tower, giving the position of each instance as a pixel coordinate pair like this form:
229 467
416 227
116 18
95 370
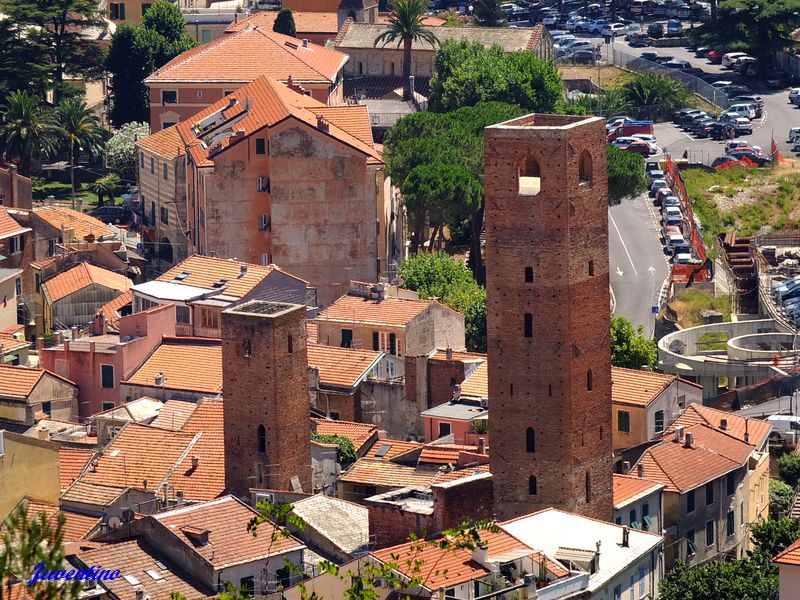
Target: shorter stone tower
361 11
266 407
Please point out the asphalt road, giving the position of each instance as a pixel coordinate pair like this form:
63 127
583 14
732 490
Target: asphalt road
637 263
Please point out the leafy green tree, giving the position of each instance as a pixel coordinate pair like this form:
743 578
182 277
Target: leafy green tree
165 20
781 497
489 13
748 579
467 73
625 174
470 300
81 133
107 185
629 347
654 96
120 151
23 61
405 27
772 537
28 130
284 23
29 541
789 469
347 450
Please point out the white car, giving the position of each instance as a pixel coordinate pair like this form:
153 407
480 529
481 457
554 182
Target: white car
564 40
794 134
733 144
729 58
624 142
741 110
614 29
794 94
615 122
575 45
597 25
578 24
550 20
721 84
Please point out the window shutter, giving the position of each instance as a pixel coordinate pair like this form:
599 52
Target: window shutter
392 343
376 342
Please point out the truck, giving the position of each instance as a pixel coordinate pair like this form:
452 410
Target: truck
628 128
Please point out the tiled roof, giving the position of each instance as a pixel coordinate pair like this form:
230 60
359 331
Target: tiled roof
304 22
76 526
97 494
341 367
477 384
10 344
135 558
138 410
680 468
353 119
18 382
426 21
12 330
757 430
437 455
71 462
252 107
636 387
174 414
389 311
537 32
111 309
80 276
9 225
343 523
359 433
189 364
83 225
382 473
166 143
790 556
441 354
251 53
396 448
312 329
229 541
627 488
204 271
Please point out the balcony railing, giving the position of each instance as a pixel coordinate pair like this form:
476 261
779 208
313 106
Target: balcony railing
564 587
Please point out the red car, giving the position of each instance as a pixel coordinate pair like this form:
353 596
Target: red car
715 56
642 148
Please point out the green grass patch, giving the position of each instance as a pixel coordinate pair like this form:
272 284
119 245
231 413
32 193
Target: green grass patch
688 305
61 193
713 340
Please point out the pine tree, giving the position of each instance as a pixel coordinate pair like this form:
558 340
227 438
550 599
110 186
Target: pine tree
284 23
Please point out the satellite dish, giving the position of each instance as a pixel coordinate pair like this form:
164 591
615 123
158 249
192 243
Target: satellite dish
114 522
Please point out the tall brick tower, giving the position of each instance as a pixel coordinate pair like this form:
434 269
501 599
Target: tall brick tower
548 315
266 407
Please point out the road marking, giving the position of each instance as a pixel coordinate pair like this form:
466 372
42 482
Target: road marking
625 247
619 271
652 270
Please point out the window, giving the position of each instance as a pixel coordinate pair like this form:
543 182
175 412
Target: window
632 517
18 286
51 247
38 282
347 338
152 165
659 421
618 592
261 146
108 405
444 429
589 380
247 351
528 274
290 344
682 401
117 11
588 485
393 344
709 493
691 547
709 533
227 92
107 376
209 318
591 268
247 585
532 485
164 215
730 483
145 8
530 178
169 96
642 573
731 523
165 171
624 421
646 521
530 440
167 124
585 168
618 520
182 315
334 416
141 159
376 341
261 434
263 184
741 512
690 501
47 408
528 327
205 36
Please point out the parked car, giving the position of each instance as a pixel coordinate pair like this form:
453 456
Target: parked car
715 56
701 52
622 142
689 123
632 29
741 110
674 28
656 30
729 58
794 134
564 40
656 185
661 194
723 160
778 79
721 131
651 56
721 83
550 20
113 214
653 175
670 201
646 137
679 65
755 101
759 159
735 144
598 25
740 64
682 114
702 129
614 30
583 57
628 128
794 94
742 126
640 147
615 122
638 40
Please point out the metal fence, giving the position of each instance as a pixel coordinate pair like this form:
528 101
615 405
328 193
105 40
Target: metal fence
787 62
695 84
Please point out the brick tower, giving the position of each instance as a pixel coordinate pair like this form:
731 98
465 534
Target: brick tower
548 315
266 407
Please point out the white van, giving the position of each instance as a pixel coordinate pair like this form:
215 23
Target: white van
785 428
741 110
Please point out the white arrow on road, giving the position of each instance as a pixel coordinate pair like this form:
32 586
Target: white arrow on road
652 270
619 271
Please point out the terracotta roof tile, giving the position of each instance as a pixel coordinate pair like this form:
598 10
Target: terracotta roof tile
441 354
537 32
312 329
174 414
426 21
477 384
261 103
757 430
71 462
359 433
341 367
80 276
396 448
166 143
627 488
12 330
229 541
382 473
304 22
713 454
389 311
9 225
251 53
189 364
437 455
111 309
9 344
204 271
97 494
134 557
352 119
83 225
41 264
18 382
638 388
76 526
790 556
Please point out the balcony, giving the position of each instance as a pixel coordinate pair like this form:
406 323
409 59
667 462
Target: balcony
567 586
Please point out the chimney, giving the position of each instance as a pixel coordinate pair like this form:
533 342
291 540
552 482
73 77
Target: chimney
179 497
195 462
66 345
73 332
640 470
746 430
481 554
456 392
626 467
679 433
626 533
449 353
322 123
159 379
99 325
305 43
689 439
39 345
723 424
43 434
236 17
139 594
144 484
481 446
242 269
58 338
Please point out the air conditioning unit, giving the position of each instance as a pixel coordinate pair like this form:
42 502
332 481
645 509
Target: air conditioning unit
265 497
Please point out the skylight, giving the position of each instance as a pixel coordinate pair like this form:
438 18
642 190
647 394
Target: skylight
181 276
382 450
131 579
154 574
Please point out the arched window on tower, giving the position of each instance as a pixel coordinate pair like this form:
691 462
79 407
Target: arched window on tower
588 487
532 490
290 342
591 268
528 274
262 439
530 440
528 325
585 168
589 380
530 177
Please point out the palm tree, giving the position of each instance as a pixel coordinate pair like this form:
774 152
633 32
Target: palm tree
654 96
405 27
104 186
81 131
28 130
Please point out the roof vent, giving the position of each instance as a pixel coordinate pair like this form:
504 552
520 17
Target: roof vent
305 43
723 424
640 470
181 276
197 535
242 269
195 462
219 283
679 433
626 534
159 378
292 45
322 123
689 439
626 467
